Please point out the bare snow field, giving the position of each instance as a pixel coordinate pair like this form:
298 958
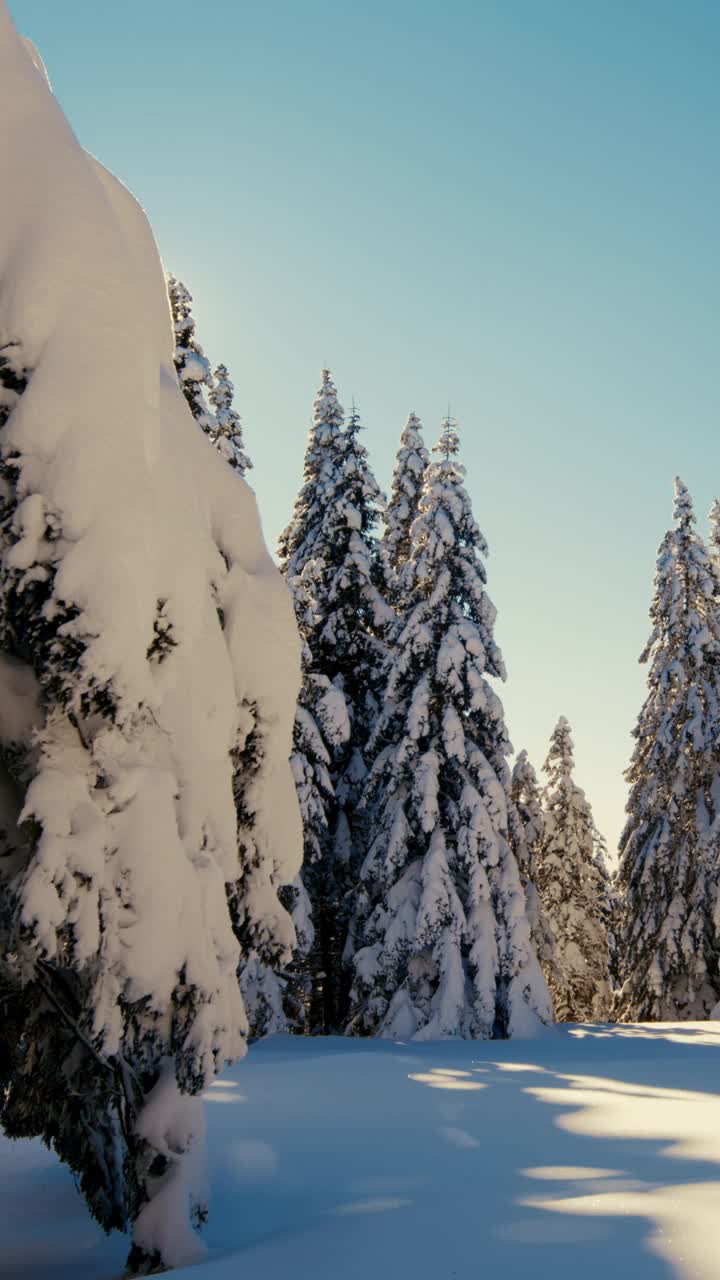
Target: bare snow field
592 1151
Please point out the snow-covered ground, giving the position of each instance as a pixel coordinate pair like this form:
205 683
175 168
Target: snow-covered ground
591 1152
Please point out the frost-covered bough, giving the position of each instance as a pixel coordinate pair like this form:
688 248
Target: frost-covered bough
669 860
527 828
139 613
411 463
571 889
330 544
440 930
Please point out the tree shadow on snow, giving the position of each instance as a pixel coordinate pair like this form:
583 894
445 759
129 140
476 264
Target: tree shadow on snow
582 1152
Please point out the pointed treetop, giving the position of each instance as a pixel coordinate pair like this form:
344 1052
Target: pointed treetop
715 527
327 411
683 510
560 760
411 429
353 424
411 463
411 443
449 443
180 295
523 766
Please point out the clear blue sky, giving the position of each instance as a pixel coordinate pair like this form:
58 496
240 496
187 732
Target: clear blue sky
509 206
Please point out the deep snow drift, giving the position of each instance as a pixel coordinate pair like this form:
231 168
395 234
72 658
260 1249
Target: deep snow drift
592 1151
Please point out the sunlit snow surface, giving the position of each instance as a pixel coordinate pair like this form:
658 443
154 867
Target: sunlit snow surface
591 1151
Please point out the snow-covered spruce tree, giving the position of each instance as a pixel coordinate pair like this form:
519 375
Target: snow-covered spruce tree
227 432
440 930
352 620
124 643
571 890
608 902
330 543
192 365
322 729
527 829
323 463
402 507
301 550
669 863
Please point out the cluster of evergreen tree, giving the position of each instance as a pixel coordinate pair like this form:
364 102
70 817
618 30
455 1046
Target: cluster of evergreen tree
440 894
404 909
428 881
143 745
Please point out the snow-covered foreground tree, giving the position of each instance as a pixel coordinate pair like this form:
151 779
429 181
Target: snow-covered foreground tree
330 548
669 863
572 891
402 508
440 931
140 616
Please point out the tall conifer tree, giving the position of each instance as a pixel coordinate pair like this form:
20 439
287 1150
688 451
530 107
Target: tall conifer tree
669 863
300 540
528 827
330 546
322 729
609 902
440 935
571 889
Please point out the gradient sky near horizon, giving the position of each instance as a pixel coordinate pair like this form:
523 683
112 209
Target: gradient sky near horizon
508 206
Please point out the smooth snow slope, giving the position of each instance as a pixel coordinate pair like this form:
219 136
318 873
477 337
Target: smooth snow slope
592 1151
